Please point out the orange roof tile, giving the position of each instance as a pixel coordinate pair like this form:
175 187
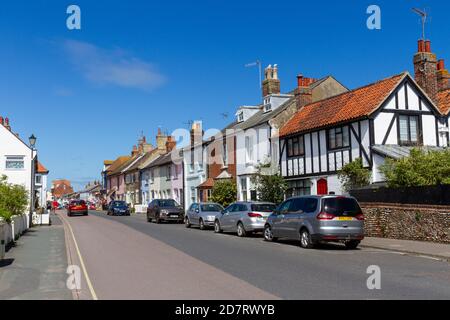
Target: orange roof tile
40 168
341 108
209 183
117 163
444 101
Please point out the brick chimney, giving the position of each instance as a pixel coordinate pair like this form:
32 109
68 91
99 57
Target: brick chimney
271 83
425 68
443 76
303 93
170 144
196 133
135 151
143 146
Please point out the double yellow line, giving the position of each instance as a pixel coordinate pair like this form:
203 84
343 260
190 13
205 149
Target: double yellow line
83 266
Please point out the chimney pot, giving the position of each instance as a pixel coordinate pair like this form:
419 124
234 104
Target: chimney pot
441 65
421 46
299 80
428 46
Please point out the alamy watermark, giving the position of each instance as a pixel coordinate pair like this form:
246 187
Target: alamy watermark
74 279
374 20
374 280
73 22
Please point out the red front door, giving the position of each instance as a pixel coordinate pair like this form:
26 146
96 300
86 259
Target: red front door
322 187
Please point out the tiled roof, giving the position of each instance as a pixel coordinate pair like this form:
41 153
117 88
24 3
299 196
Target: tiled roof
117 164
444 102
341 108
209 183
40 168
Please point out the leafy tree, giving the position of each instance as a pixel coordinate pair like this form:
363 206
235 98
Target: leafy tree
270 185
13 199
354 175
421 168
224 192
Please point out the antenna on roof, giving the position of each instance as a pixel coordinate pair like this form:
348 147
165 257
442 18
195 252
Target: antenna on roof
224 115
424 16
189 123
257 63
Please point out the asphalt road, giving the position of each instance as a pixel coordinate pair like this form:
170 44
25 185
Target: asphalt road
129 258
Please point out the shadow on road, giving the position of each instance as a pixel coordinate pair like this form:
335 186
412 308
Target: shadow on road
6 262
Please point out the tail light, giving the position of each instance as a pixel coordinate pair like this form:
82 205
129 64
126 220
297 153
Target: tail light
325 216
254 215
360 217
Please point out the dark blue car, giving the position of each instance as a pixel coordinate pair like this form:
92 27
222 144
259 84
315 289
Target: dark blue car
118 208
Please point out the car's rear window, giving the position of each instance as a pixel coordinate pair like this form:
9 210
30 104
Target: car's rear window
263 207
119 204
211 207
78 203
168 203
341 206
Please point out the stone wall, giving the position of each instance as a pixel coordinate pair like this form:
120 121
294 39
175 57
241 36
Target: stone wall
407 222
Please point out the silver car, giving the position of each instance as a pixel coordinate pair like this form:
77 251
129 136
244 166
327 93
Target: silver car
202 214
244 217
313 219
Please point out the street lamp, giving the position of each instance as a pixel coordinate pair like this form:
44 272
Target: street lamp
32 139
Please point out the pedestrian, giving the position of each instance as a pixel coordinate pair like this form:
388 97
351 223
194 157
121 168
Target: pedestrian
55 206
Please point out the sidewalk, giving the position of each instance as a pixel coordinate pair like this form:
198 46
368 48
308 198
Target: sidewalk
35 269
431 249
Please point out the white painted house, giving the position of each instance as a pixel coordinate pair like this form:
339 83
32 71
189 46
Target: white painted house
17 159
384 119
257 126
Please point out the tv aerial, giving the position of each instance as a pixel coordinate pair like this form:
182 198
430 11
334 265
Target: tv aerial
424 16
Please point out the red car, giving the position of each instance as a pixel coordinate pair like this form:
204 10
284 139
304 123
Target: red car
77 207
92 206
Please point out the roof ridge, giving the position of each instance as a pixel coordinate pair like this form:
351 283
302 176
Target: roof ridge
359 88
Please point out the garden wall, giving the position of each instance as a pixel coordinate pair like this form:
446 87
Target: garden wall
407 222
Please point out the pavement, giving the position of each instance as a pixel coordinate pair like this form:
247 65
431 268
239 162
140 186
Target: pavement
421 248
35 268
129 258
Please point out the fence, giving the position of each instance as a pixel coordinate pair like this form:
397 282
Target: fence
427 195
11 231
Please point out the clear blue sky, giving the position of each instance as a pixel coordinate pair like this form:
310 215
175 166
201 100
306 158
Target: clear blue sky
137 65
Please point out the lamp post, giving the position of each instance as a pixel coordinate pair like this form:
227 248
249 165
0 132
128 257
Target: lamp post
32 139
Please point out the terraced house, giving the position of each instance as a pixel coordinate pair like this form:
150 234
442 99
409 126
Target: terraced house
380 120
256 131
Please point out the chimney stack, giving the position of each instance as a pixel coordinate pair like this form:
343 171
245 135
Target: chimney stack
170 144
161 140
303 93
135 151
196 133
271 83
443 76
425 68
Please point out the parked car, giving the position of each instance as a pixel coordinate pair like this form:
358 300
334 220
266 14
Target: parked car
92 206
118 208
202 214
165 210
78 207
313 219
244 217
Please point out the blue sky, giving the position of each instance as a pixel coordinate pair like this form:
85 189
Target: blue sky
139 65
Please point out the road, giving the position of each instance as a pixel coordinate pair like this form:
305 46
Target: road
129 258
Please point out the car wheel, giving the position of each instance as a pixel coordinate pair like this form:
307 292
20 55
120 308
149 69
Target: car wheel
217 228
187 223
268 234
241 230
202 224
158 221
149 219
305 239
352 244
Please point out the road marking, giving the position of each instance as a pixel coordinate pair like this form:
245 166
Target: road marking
88 280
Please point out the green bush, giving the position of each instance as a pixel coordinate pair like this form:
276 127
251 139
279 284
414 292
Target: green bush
421 168
224 192
270 185
353 175
13 199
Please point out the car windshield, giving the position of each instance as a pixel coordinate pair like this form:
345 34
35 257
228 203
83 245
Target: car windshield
341 206
263 207
168 203
211 207
119 204
78 203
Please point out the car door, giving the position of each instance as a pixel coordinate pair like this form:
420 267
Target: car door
292 218
189 213
236 215
225 219
278 227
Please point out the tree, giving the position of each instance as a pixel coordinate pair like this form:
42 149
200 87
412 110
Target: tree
224 192
421 168
13 199
354 175
270 185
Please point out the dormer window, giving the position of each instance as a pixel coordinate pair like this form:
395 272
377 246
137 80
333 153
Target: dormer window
267 105
241 116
